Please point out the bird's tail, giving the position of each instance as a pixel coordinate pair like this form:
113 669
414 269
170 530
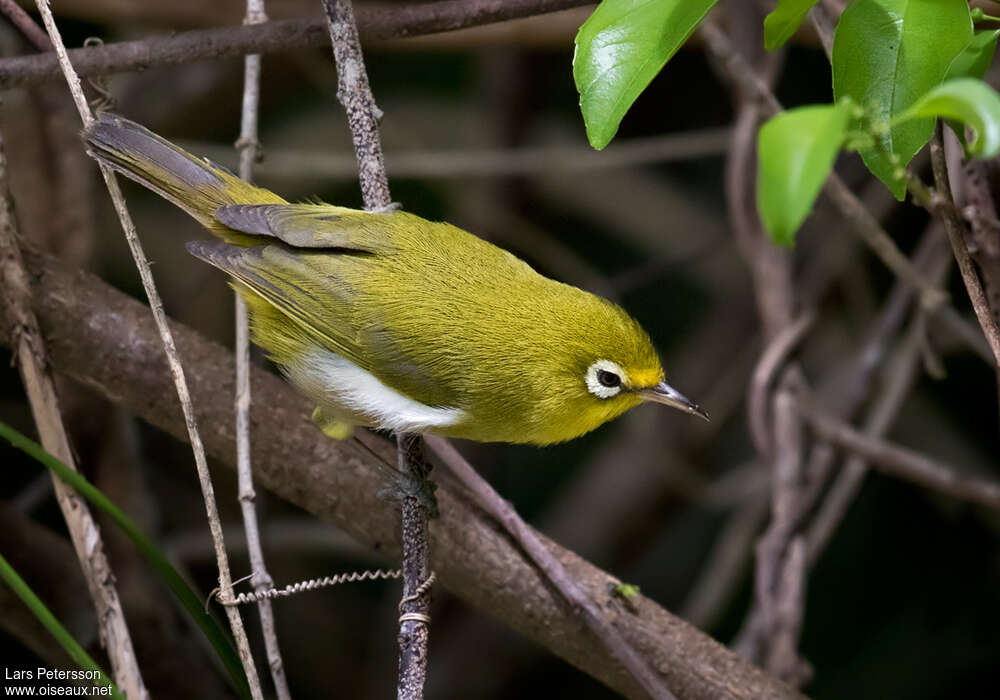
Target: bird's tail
196 185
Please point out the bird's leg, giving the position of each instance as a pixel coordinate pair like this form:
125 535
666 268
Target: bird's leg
409 477
412 474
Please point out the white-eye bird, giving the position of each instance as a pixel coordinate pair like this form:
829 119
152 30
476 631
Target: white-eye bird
391 321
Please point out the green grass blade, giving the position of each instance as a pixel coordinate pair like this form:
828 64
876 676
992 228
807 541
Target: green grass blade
45 616
188 598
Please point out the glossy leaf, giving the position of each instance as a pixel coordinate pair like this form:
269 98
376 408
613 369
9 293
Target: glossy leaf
784 20
976 57
620 49
973 62
796 151
886 55
969 101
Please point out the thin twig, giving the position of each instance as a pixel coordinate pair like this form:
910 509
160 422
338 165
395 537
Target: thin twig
901 366
780 553
15 292
901 462
355 95
843 391
260 579
771 360
726 564
177 371
27 26
414 607
980 211
363 115
489 162
773 642
823 24
391 21
956 236
491 502
770 266
851 208
898 368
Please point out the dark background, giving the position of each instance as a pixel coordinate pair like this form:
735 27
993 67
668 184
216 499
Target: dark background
902 604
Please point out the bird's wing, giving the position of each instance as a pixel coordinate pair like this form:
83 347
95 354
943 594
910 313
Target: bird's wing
303 285
311 225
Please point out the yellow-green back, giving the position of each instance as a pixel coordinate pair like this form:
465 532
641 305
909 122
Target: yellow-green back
436 315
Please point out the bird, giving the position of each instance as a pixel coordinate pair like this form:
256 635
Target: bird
387 320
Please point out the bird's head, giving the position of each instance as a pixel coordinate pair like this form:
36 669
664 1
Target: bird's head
632 381
607 365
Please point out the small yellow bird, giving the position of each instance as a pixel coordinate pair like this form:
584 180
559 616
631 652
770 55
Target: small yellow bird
391 321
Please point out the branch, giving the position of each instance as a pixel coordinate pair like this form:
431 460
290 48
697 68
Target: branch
108 342
773 358
177 371
249 150
899 369
29 349
851 208
956 236
505 514
980 212
375 23
355 95
902 367
488 162
901 462
26 25
779 572
363 115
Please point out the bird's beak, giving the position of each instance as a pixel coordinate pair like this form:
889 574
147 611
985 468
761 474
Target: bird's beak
669 396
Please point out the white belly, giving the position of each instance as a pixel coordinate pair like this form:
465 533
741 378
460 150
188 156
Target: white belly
357 396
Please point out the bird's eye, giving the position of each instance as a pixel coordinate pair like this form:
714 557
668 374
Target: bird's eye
608 379
605 379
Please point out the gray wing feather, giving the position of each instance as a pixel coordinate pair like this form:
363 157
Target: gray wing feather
310 225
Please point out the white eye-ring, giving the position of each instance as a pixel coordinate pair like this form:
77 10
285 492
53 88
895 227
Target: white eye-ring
605 379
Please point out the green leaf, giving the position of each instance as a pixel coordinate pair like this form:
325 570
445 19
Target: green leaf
969 101
973 62
55 628
795 152
976 57
191 601
784 20
886 54
620 49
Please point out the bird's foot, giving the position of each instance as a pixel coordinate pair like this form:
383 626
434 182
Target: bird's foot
411 476
404 486
388 208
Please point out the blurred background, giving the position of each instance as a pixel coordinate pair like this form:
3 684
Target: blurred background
482 129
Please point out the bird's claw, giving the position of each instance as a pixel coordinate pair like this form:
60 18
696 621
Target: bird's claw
402 486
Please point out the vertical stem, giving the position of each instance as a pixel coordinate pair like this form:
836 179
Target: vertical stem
415 605
170 349
249 148
29 348
354 93
956 236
